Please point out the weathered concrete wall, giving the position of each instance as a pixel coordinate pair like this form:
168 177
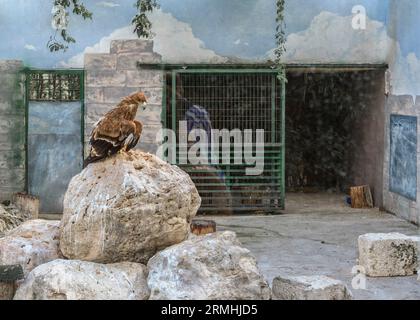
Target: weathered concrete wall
112 76
368 134
393 202
12 129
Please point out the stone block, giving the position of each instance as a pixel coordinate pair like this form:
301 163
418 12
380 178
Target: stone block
15 177
128 61
105 78
10 65
132 45
309 288
6 107
144 78
11 123
115 94
388 254
8 82
100 61
94 95
10 159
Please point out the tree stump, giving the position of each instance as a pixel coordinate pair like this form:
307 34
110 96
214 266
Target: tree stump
202 227
361 197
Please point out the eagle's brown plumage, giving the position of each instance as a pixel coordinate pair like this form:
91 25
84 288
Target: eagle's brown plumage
117 130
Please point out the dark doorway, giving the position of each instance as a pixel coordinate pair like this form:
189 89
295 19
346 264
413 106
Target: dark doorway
335 130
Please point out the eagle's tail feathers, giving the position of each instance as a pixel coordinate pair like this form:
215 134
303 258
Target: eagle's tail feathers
92 159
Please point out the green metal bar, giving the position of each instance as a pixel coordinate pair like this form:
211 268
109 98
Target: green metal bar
163 116
82 104
26 130
55 71
201 71
273 108
254 66
244 209
241 191
173 101
283 142
164 93
266 189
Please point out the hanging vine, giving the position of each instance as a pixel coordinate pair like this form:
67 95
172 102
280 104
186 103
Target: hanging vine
280 39
142 24
60 18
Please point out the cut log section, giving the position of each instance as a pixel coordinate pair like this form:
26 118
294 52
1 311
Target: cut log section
202 227
361 197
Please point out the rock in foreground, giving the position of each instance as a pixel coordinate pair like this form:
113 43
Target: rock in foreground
388 254
81 280
213 266
126 208
10 218
309 288
31 244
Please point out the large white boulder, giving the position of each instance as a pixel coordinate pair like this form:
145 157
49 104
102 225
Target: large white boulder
309 288
388 254
214 266
31 244
81 280
126 208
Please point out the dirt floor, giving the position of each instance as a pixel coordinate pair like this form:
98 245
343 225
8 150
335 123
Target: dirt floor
317 235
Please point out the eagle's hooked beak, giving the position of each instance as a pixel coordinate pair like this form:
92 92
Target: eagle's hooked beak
143 104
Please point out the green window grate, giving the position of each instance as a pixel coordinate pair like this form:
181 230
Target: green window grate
231 99
54 86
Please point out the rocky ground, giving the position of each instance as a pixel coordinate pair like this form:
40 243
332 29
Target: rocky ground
10 217
318 235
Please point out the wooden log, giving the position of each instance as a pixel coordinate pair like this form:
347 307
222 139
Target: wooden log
202 227
361 197
27 203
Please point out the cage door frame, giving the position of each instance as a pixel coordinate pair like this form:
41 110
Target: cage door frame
277 91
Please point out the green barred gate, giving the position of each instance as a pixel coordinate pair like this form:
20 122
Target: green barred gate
54 133
231 99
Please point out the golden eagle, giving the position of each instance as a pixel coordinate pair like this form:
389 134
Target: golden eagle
116 130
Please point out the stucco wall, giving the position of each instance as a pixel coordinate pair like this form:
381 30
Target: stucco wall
393 202
114 75
12 129
368 134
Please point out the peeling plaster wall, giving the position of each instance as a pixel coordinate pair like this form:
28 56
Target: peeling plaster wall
393 202
12 129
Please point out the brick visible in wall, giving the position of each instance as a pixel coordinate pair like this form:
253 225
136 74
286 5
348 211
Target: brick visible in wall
128 61
106 78
100 61
127 46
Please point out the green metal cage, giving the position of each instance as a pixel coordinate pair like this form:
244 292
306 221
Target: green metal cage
232 98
